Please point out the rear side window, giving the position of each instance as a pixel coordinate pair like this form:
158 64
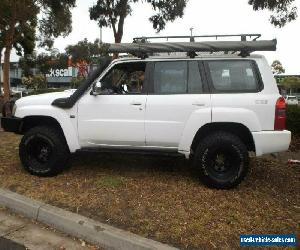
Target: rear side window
178 77
234 76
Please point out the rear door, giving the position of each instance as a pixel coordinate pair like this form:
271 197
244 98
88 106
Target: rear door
239 95
176 90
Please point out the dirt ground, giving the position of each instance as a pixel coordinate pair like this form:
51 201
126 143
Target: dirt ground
161 198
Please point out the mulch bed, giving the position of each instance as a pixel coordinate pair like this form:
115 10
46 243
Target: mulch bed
161 198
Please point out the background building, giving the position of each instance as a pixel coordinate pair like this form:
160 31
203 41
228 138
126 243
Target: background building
56 78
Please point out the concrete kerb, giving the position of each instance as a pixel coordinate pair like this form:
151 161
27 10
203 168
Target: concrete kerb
76 225
20 204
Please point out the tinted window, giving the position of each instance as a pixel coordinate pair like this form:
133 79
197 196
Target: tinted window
233 76
170 77
195 84
177 78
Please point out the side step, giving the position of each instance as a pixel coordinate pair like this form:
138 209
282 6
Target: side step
150 152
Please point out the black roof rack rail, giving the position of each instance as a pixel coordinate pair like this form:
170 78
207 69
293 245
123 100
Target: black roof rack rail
143 50
243 37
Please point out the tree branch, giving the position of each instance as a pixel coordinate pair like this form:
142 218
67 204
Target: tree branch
111 18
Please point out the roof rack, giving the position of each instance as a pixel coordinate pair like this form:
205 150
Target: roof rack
192 38
142 48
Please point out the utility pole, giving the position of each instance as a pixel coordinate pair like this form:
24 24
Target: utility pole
191 29
100 35
192 39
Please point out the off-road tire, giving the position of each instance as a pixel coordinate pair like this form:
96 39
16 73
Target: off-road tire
211 170
33 146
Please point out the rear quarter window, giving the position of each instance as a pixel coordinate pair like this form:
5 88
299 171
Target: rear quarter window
234 76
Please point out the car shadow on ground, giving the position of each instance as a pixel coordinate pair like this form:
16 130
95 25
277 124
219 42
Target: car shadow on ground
128 163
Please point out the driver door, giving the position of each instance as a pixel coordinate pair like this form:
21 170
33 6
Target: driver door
115 116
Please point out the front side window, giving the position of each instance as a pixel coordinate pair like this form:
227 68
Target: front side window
235 76
125 78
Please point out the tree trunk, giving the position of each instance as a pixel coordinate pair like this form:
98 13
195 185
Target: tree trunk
6 68
118 39
0 70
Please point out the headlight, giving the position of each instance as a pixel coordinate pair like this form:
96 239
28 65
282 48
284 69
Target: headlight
14 110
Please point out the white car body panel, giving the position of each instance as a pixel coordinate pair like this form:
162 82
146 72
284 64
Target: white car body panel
167 116
40 105
111 120
197 119
267 142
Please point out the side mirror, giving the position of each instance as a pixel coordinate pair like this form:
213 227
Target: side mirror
97 88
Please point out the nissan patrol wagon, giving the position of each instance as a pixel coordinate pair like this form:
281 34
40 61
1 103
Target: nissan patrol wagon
212 109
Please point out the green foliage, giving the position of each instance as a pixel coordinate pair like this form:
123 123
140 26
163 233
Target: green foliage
112 13
84 50
42 62
283 10
291 82
76 82
293 119
277 68
110 182
27 63
35 82
19 21
55 21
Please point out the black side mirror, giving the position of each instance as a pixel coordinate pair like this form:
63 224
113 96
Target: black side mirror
97 89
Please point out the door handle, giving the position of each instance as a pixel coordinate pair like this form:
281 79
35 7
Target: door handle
199 104
136 104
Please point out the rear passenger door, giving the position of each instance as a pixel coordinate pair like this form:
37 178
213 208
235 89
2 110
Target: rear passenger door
176 90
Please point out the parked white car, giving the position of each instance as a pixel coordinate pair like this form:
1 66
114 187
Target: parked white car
212 109
291 100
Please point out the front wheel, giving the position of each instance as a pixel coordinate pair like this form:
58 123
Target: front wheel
221 160
43 151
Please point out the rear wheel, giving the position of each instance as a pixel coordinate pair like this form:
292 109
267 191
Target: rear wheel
221 160
43 151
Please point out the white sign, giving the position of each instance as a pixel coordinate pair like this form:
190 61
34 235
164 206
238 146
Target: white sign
60 72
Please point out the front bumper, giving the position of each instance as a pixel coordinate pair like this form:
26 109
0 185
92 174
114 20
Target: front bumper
267 142
11 124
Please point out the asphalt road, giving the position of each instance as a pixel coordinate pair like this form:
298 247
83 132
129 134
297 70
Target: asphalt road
10 245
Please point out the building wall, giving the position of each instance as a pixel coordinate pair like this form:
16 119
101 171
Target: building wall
53 81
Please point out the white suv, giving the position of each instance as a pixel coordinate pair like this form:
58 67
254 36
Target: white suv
211 109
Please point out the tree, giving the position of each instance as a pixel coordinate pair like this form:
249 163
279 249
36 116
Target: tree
291 82
112 13
19 20
42 62
283 10
1 49
84 51
277 68
35 82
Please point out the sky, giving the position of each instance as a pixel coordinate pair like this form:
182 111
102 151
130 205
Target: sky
206 17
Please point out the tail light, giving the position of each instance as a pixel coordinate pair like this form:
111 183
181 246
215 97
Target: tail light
280 114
